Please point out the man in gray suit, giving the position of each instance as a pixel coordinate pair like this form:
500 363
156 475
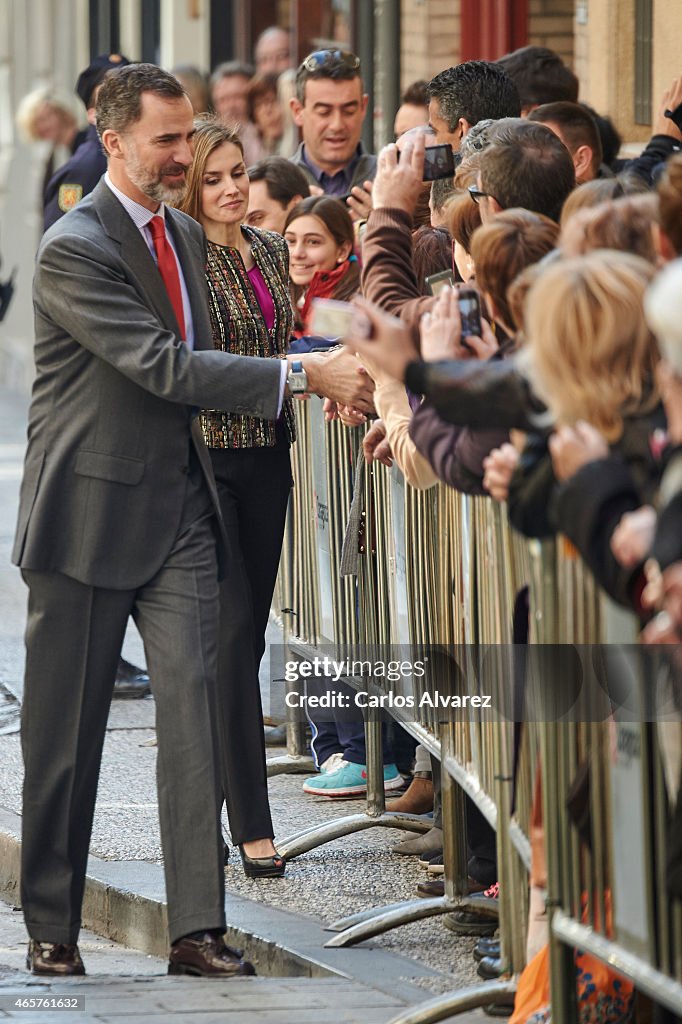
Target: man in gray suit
118 516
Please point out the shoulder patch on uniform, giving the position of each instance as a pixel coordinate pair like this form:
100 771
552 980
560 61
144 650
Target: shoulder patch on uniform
69 195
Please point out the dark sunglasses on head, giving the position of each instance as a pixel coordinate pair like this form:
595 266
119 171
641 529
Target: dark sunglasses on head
320 57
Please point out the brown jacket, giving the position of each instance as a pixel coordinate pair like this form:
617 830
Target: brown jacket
388 276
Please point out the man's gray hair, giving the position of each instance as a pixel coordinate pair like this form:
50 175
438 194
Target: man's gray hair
119 101
229 68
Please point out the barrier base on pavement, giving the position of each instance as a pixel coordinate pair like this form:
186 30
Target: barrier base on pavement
310 839
453 1003
377 920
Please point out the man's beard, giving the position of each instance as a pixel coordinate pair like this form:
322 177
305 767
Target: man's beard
151 183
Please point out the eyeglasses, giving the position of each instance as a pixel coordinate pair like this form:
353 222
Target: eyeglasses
476 194
321 57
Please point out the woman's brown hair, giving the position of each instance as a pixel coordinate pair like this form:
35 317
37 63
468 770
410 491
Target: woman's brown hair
625 224
209 134
463 217
669 190
503 248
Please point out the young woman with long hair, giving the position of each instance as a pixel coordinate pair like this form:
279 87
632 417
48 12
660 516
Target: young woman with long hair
319 233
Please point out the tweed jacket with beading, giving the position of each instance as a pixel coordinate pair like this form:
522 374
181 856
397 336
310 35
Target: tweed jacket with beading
239 327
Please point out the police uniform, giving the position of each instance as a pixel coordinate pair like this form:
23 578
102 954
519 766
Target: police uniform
79 175
75 178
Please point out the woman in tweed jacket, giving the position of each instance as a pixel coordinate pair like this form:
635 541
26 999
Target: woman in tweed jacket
247 272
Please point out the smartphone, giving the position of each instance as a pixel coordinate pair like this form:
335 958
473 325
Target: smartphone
438 163
435 283
470 312
331 319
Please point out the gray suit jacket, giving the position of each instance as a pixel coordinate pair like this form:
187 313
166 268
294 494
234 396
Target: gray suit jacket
115 396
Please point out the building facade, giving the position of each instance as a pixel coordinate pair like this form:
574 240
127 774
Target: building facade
623 51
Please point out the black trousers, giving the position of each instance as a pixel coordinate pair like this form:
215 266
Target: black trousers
253 487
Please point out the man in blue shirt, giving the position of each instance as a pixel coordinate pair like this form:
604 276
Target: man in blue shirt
329 108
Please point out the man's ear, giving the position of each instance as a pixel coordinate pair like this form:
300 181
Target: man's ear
582 161
463 127
662 244
296 111
294 201
111 141
365 101
494 205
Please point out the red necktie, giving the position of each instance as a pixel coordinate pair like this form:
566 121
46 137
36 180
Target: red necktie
168 268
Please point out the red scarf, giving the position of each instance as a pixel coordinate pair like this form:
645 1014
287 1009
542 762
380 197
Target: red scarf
322 286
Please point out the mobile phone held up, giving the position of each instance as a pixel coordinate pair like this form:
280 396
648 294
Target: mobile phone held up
435 283
333 319
470 312
438 163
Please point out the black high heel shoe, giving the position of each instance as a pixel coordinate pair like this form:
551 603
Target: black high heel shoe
262 867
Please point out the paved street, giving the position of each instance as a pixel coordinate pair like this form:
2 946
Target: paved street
127 987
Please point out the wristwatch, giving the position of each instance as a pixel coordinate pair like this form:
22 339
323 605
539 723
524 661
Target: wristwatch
297 378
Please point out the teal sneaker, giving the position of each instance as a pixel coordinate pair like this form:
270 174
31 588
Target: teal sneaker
348 779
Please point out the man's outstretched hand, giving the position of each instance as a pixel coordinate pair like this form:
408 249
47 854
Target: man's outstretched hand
340 376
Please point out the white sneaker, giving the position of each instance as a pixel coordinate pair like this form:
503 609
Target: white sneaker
333 763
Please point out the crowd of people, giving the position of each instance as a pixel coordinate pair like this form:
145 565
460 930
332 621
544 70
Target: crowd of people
573 257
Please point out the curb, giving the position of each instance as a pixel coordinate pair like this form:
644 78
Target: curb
125 901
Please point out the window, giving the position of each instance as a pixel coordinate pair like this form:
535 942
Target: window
104 27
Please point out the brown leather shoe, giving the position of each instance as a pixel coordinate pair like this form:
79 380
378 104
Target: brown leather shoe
207 957
53 958
417 798
427 890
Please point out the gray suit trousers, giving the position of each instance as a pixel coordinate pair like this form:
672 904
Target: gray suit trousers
73 639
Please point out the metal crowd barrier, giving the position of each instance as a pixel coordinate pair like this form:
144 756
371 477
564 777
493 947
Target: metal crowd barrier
325 605
607 897
439 571
425 560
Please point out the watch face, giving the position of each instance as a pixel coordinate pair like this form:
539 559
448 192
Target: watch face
297 379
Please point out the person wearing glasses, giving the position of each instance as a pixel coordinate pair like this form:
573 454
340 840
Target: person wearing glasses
329 108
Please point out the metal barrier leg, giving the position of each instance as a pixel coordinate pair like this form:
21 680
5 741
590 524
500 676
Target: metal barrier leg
383 919
378 920
452 1003
308 839
297 760
405 819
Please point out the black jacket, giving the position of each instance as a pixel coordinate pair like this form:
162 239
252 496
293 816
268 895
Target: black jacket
74 179
589 505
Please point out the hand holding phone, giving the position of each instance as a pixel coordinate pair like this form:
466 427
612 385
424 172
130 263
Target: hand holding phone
333 319
469 312
439 161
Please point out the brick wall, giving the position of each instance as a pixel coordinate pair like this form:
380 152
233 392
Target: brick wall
550 23
429 38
